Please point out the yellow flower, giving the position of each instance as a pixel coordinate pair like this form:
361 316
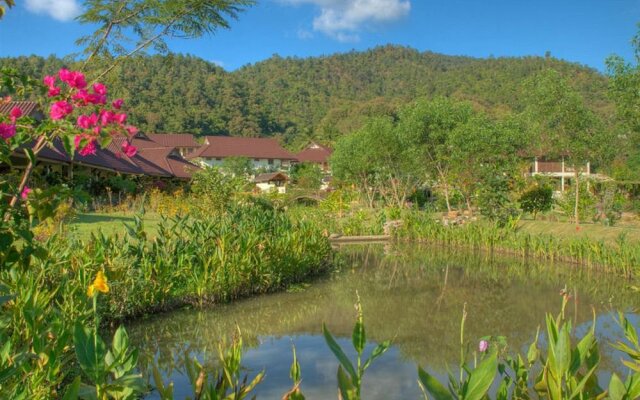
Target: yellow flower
99 284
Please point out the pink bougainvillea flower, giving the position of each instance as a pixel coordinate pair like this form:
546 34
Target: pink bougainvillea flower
7 131
65 75
50 81
15 113
128 149
74 79
100 89
117 103
53 91
60 109
77 80
483 346
106 117
120 118
87 121
132 130
89 148
25 192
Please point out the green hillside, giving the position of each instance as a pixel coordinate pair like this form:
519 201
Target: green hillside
318 97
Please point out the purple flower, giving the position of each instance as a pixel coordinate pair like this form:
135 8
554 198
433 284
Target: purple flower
483 346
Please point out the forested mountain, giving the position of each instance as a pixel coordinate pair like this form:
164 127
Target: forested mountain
318 97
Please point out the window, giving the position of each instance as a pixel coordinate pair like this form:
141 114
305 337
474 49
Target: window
270 161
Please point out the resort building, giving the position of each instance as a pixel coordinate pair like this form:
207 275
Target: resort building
316 154
265 153
184 143
273 181
153 158
559 170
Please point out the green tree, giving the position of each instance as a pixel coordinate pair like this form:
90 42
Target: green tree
484 159
306 175
238 166
537 199
380 160
146 24
563 126
430 124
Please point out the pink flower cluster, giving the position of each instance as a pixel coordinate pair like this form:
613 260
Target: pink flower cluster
7 131
95 123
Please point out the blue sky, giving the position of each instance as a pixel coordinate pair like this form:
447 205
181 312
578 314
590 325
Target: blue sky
584 31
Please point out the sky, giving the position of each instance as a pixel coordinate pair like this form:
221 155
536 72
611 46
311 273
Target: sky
582 31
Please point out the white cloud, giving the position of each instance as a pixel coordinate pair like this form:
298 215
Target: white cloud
343 19
304 34
62 10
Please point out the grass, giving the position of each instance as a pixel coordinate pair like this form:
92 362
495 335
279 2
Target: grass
567 230
83 224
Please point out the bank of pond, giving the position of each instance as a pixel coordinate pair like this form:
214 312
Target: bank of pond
413 295
253 272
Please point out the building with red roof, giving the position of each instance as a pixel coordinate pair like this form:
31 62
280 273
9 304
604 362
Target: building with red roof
264 152
316 154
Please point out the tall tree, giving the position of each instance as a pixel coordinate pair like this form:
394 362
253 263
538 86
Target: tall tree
146 24
564 128
431 124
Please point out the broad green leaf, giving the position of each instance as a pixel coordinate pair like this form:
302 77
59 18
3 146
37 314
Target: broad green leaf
633 386
481 378
503 389
359 336
577 391
377 352
533 353
69 145
120 342
337 351
345 385
579 354
90 351
562 352
617 390
72 390
432 385
294 371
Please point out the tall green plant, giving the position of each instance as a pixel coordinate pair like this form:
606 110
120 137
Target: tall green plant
350 376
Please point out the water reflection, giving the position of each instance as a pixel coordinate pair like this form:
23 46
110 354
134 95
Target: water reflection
412 294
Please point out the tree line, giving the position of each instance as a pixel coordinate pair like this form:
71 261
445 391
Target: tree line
317 98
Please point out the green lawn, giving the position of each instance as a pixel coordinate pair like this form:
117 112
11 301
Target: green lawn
84 224
593 231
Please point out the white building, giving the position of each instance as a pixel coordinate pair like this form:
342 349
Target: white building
265 153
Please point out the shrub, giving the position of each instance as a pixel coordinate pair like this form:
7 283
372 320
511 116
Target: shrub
536 200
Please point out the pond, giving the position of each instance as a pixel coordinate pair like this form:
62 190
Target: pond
414 295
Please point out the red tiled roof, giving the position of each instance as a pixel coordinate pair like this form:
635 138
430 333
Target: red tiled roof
174 139
315 153
157 160
227 146
29 108
153 158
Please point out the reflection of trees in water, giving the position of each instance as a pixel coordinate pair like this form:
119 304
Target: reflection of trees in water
404 297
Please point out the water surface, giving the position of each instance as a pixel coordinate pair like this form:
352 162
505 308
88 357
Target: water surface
414 295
